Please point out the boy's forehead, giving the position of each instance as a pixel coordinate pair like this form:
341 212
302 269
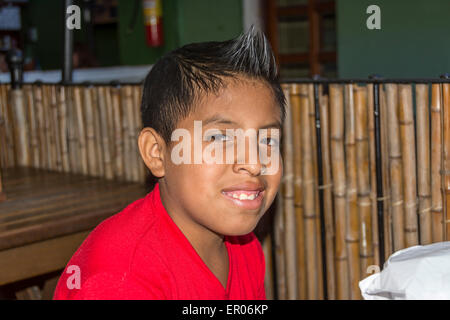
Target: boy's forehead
238 102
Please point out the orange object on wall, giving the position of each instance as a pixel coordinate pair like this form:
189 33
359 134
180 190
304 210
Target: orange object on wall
153 22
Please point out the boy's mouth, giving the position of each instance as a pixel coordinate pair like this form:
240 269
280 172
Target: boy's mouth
243 195
247 196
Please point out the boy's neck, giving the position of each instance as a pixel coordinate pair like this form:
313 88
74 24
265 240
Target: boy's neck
206 243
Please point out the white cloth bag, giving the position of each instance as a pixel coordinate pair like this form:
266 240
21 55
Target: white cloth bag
414 273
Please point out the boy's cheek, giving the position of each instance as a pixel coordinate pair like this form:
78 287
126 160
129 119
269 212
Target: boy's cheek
274 180
274 170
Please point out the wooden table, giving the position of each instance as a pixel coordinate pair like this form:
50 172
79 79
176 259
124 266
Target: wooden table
47 215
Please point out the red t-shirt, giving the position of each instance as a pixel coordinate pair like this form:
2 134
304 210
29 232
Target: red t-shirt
140 253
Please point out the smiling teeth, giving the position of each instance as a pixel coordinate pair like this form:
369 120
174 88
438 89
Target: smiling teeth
243 196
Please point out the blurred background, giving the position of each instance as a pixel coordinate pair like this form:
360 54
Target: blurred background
324 37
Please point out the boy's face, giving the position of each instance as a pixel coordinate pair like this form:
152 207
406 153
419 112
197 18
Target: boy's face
203 195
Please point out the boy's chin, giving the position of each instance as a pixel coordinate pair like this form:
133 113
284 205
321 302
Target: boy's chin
238 230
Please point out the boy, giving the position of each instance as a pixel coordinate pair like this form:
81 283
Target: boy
191 237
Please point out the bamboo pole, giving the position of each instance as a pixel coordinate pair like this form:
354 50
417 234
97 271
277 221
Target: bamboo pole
280 254
144 169
2 194
288 202
384 138
31 120
21 129
10 153
446 156
72 132
118 134
363 179
436 154
40 123
90 132
352 226
3 128
56 128
406 119
339 189
298 192
48 124
97 133
395 168
105 120
268 279
132 133
373 175
328 197
309 202
63 130
423 163
10 119
46 128
137 96
81 130
108 112
312 123
127 153
3 149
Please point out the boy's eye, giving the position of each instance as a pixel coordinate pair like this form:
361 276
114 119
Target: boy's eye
218 137
269 141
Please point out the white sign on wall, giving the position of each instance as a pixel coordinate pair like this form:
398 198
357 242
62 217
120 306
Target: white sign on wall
10 18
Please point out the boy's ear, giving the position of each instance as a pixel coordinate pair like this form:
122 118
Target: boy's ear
151 148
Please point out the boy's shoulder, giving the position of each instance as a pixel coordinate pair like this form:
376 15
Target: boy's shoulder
112 244
107 257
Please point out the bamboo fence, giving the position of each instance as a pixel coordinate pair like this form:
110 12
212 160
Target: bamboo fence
326 231
84 129
414 166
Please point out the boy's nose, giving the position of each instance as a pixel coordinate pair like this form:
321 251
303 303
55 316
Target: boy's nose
253 169
247 164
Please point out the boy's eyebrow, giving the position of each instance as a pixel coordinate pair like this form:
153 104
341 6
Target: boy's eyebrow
217 118
276 125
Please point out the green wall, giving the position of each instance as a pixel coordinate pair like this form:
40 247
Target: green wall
132 43
106 45
414 40
209 20
184 21
45 15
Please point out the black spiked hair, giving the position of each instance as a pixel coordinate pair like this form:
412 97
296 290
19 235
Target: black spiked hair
179 78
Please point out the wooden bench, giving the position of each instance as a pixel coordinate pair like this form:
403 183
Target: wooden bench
48 214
